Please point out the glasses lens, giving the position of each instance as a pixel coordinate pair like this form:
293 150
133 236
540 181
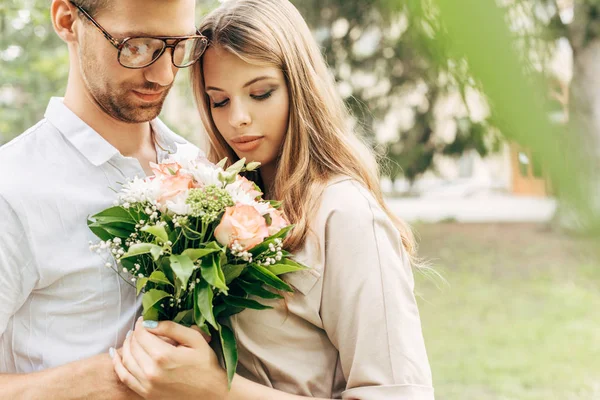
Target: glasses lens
140 52
188 51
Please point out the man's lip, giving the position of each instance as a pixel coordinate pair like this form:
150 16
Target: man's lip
149 93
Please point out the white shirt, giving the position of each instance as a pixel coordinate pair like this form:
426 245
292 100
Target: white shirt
58 302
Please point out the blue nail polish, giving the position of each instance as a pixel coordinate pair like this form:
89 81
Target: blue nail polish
128 334
111 352
150 324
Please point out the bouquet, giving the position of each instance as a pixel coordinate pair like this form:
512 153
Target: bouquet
200 243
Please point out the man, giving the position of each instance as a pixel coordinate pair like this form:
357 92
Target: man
60 308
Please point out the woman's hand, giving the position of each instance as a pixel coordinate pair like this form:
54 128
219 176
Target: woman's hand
155 369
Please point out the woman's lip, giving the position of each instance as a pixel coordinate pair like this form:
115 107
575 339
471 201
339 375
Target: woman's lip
148 96
245 138
247 143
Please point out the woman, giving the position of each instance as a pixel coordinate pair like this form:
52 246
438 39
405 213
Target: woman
352 328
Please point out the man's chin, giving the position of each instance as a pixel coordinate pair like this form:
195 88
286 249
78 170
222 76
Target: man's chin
136 114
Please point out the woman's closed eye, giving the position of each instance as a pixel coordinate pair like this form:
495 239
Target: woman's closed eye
263 96
259 97
220 103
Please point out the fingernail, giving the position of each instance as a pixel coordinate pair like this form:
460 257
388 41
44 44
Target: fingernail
111 352
150 324
128 334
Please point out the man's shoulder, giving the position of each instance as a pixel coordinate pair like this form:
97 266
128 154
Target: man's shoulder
18 150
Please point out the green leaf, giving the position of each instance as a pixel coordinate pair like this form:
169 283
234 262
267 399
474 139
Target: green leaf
151 314
286 267
183 268
268 219
117 231
184 317
232 271
256 289
152 298
267 277
195 254
144 248
230 354
158 231
264 246
204 328
212 273
141 282
116 213
224 310
100 232
244 303
204 297
275 204
160 277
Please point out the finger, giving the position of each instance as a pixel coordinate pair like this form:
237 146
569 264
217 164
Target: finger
145 362
131 362
156 348
181 334
166 339
125 377
204 335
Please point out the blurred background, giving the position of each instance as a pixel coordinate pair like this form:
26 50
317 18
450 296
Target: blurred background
487 117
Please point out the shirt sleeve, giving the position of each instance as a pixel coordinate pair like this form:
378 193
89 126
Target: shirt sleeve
368 306
17 273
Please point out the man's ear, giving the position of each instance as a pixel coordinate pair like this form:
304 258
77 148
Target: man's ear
63 16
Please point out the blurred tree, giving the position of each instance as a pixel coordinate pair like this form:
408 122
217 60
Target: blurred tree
518 92
394 70
33 65
552 23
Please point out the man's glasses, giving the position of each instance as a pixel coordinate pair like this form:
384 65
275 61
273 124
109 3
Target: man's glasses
140 52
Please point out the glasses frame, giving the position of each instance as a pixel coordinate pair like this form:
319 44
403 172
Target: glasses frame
120 44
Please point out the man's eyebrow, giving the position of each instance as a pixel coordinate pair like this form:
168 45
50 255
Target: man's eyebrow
126 34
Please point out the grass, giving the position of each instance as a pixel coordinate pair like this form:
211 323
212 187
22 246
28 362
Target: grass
519 317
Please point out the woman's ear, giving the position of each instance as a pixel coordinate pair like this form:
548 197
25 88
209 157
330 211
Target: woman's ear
63 16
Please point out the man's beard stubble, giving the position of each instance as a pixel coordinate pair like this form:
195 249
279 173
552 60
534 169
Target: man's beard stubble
115 101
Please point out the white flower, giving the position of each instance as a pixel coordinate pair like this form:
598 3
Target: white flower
178 205
262 207
206 174
140 190
238 194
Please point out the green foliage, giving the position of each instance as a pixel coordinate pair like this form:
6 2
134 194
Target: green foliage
33 65
384 51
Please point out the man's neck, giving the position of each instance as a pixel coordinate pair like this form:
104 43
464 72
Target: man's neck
128 139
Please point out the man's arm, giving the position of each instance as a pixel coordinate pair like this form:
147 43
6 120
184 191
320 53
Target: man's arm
92 378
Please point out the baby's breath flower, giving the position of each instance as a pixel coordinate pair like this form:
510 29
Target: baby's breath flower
208 202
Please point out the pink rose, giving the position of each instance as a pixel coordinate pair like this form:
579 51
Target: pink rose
278 222
166 169
249 187
241 223
173 185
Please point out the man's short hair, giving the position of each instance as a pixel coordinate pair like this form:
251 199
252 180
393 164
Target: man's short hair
93 7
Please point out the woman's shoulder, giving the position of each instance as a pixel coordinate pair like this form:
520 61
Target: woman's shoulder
346 194
348 200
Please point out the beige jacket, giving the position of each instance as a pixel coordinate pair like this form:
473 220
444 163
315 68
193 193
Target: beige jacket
351 330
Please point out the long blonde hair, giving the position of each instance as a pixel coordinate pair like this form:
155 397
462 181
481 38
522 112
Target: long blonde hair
319 144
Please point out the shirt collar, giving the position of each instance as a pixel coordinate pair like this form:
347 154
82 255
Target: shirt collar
93 146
